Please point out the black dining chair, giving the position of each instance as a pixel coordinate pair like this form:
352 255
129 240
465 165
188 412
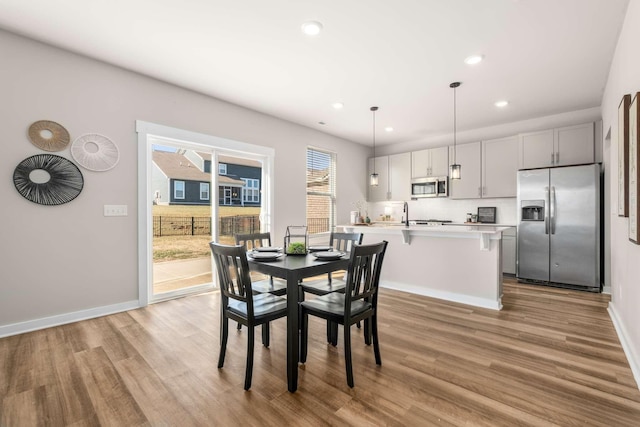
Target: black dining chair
258 240
359 302
341 242
240 303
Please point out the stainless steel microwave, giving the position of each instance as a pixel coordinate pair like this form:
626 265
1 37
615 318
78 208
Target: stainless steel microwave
430 187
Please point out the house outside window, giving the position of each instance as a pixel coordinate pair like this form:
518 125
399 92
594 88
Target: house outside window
204 191
251 190
321 190
178 189
222 168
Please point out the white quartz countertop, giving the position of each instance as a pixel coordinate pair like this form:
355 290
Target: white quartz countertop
483 232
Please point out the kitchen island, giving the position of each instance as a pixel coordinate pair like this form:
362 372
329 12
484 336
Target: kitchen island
457 263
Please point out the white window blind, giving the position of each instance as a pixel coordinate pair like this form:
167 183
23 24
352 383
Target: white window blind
321 190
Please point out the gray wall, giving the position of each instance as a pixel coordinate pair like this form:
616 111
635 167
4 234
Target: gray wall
68 258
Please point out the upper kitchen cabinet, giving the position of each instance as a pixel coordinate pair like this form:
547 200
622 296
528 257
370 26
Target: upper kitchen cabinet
430 162
500 167
469 185
571 145
394 178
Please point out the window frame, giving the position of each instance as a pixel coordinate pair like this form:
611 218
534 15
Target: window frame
251 186
222 169
175 189
207 186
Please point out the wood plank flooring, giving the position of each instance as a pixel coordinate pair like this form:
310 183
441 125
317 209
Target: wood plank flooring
549 358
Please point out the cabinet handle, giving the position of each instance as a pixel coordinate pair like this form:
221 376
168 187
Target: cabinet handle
484 190
479 191
557 156
552 162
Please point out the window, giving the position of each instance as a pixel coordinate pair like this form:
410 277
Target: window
321 190
204 191
178 189
222 168
251 190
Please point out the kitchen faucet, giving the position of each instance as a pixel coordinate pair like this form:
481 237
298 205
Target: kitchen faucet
405 209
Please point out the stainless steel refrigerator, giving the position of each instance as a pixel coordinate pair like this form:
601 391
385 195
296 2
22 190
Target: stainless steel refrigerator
559 226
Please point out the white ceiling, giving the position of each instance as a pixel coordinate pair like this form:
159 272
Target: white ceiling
544 56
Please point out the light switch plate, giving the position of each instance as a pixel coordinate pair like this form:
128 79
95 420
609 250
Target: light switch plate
115 210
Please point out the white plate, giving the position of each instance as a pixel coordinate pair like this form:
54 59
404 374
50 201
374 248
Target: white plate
267 249
265 256
320 248
327 256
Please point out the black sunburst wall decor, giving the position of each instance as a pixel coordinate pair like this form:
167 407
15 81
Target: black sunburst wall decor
63 183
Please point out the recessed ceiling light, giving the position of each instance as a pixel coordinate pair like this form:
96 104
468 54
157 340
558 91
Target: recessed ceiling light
501 104
389 129
473 59
337 105
311 28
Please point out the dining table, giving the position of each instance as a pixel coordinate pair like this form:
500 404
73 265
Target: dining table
294 268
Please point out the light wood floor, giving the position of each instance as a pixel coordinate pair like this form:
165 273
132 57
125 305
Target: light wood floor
550 357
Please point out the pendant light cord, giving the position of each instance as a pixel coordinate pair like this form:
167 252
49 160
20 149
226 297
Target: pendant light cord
374 109
454 125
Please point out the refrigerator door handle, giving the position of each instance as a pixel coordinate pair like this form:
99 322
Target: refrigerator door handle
553 210
546 211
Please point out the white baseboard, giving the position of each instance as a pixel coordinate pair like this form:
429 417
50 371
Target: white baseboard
61 319
606 290
627 345
447 296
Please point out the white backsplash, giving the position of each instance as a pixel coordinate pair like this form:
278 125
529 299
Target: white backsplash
447 209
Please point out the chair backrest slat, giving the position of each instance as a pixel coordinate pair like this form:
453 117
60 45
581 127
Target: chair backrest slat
253 240
233 273
363 275
344 241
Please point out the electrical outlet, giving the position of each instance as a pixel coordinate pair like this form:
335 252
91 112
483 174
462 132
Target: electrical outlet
115 210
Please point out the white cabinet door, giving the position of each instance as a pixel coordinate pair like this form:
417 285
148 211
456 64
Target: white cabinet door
439 161
420 164
400 177
509 251
500 167
537 149
379 193
574 145
469 184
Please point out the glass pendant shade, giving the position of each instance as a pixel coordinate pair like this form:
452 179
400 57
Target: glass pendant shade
373 180
454 171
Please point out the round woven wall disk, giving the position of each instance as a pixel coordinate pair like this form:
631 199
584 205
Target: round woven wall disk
95 152
47 179
48 135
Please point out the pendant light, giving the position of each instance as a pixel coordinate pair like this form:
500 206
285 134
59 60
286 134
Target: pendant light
373 178
454 169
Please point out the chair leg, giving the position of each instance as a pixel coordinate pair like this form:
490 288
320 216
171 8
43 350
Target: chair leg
224 333
347 355
265 334
376 345
304 328
334 333
249 370
367 331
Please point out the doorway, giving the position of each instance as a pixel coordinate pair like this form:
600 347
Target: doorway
177 215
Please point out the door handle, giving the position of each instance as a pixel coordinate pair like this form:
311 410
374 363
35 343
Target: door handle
546 210
553 210
552 157
557 157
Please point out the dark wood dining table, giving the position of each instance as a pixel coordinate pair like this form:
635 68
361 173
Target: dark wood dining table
294 268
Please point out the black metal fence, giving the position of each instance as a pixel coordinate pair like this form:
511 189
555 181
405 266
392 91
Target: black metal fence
196 226
227 226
